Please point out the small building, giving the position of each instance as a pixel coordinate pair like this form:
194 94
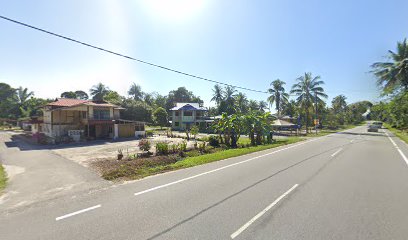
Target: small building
76 118
186 115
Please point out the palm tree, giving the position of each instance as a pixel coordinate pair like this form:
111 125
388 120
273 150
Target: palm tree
23 95
308 89
218 94
136 92
339 103
394 74
262 106
278 94
229 99
98 91
241 102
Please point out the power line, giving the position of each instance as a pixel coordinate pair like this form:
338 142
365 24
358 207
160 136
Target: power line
128 57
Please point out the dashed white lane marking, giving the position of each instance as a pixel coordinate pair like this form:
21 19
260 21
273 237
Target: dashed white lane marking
78 212
221 168
352 140
246 225
398 149
336 152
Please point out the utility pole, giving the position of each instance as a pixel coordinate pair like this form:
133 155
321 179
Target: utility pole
316 121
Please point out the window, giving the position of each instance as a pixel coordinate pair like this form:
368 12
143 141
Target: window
197 123
83 115
101 114
188 113
177 113
176 124
110 129
139 127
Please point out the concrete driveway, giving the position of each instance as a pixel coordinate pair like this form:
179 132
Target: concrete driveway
36 175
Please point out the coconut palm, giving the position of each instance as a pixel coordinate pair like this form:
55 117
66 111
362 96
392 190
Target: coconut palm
308 89
339 103
218 94
98 91
23 95
136 92
262 106
393 75
229 99
241 102
278 95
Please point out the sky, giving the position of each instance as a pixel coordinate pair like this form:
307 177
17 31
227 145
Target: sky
248 43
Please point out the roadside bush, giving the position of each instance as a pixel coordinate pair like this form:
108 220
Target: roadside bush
144 145
213 141
149 133
162 148
183 146
174 148
201 147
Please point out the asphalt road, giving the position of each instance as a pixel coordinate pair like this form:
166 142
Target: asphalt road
351 185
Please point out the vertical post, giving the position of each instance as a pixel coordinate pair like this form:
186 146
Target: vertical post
315 112
87 118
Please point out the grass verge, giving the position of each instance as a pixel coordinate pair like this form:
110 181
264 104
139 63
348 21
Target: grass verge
3 178
140 168
402 134
325 132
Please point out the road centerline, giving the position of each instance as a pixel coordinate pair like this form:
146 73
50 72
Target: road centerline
219 169
78 212
336 152
260 214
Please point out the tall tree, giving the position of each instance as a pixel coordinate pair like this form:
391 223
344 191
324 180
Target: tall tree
99 91
277 94
307 89
262 106
8 106
218 94
69 94
339 104
23 95
241 102
229 99
136 92
81 95
393 75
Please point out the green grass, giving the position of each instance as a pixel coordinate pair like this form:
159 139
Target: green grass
207 158
403 135
191 161
325 132
3 178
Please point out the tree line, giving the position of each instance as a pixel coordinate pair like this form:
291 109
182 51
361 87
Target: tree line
392 79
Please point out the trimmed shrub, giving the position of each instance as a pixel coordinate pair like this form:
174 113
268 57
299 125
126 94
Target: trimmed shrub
144 145
162 148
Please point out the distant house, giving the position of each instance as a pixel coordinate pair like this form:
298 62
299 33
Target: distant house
88 119
186 115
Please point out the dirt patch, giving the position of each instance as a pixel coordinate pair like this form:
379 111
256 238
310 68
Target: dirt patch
86 155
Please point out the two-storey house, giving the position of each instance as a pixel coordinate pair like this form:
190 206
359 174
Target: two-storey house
185 115
91 119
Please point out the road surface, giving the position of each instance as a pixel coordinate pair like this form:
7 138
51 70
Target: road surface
350 185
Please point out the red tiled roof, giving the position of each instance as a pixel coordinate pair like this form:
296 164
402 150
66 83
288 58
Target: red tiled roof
67 102
70 102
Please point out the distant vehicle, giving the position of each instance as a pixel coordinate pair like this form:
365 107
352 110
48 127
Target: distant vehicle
379 124
373 127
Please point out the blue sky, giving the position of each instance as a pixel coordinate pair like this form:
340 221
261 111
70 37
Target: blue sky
247 43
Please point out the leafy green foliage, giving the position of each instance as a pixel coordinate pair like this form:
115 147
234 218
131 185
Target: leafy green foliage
160 117
162 148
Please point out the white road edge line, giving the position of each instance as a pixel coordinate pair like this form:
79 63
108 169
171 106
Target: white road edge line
334 154
219 169
398 149
78 212
246 225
